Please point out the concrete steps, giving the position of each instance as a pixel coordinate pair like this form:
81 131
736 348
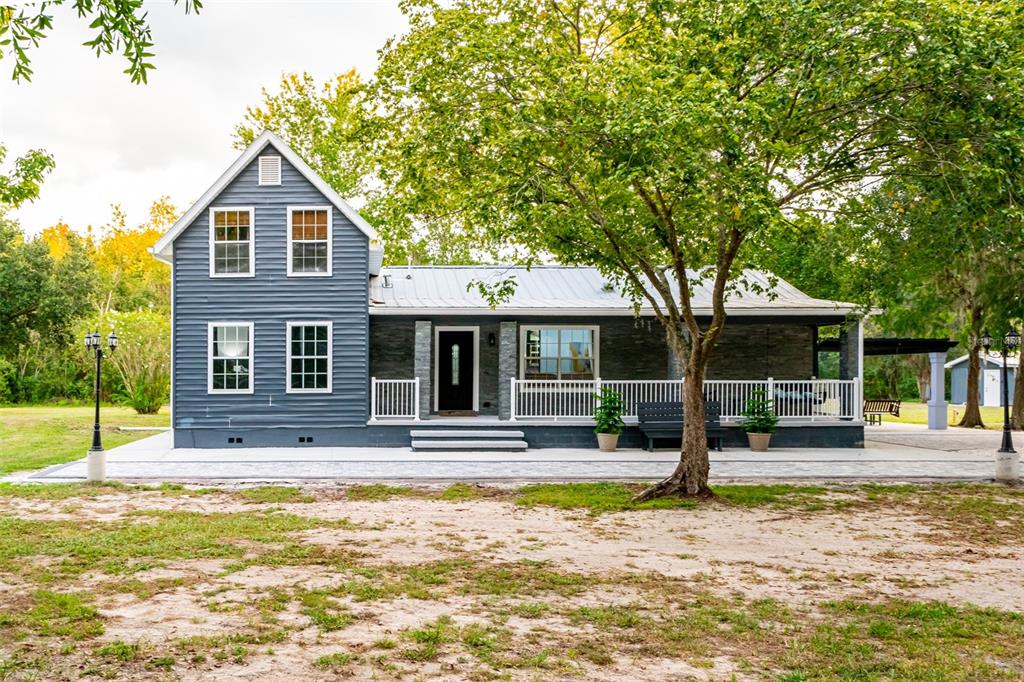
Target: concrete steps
468 439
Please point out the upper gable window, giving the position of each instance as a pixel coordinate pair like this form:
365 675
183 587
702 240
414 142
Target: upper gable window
231 242
309 241
270 170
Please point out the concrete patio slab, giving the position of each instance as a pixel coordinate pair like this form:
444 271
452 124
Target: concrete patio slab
895 454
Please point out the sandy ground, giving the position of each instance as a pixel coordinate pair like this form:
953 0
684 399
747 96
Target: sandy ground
797 558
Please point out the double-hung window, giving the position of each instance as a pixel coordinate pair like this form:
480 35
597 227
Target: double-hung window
309 241
559 353
231 242
230 357
309 357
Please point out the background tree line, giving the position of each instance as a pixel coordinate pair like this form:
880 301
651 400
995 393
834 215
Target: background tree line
61 283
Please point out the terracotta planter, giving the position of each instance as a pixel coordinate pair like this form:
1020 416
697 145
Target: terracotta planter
759 441
607 442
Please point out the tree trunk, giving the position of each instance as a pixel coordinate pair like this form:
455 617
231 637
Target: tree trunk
972 411
691 475
1017 411
922 374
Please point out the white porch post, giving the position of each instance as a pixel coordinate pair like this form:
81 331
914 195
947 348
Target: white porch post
938 413
373 399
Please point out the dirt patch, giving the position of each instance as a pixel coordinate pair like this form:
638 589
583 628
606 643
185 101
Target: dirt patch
454 590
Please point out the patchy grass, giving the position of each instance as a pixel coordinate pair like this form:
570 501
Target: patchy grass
615 497
50 631
333 661
595 497
462 492
45 613
36 437
778 495
80 547
379 492
274 494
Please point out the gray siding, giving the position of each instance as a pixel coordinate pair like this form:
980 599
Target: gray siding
270 300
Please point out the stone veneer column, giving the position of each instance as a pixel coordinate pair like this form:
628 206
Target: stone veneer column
508 361
421 364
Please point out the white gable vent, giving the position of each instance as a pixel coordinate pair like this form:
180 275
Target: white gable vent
270 170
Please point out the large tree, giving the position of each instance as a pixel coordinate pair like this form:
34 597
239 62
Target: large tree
323 123
658 141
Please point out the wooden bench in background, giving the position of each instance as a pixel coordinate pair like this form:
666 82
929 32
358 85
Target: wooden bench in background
874 408
665 420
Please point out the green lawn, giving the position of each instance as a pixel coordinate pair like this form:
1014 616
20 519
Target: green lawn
917 413
34 437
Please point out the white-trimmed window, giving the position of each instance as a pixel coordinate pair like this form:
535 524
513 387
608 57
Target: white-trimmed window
558 353
231 242
230 357
270 170
309 357
309 241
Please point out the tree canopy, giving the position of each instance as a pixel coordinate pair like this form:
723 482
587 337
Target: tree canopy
664 143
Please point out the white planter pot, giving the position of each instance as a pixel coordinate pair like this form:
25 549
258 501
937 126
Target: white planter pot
96 465
1007 467
759 441
607 442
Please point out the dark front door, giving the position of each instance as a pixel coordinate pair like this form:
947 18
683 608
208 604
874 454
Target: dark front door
455 371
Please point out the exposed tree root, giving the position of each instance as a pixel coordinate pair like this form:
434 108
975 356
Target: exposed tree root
676 485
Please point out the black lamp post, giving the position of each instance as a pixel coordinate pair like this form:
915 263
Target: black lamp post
96 464
1010 341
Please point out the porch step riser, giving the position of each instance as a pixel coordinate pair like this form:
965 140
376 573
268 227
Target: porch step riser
482 434
491 445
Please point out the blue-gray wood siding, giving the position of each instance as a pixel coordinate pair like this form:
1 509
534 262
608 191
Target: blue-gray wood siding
958 383
270 300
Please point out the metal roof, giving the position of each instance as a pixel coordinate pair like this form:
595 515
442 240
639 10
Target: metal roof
564 290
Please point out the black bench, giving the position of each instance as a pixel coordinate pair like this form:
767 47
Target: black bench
874 408
665 420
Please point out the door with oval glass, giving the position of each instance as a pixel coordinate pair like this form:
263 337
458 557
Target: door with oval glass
456 364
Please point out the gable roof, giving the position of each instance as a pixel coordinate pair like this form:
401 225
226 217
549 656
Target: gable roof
993 358
565 290
163 248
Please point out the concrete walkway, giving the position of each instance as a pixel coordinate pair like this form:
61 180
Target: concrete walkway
897 452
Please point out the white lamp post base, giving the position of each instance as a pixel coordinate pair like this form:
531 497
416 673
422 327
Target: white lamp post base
1007 467
96 465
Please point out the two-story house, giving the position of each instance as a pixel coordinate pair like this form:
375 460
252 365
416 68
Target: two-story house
287 331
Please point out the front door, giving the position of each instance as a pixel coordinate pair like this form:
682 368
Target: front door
455 366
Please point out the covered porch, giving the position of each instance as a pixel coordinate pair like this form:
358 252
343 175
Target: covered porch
796 401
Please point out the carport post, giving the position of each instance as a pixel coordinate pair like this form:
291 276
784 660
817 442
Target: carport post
938 412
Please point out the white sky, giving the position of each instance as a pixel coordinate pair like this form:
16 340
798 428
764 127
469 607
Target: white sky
119 143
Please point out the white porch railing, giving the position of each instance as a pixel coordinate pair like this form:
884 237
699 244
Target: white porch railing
394 398
795 400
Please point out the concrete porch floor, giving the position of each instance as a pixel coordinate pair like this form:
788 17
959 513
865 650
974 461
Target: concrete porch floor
891 452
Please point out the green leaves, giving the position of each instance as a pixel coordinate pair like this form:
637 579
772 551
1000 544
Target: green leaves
22 184
120 26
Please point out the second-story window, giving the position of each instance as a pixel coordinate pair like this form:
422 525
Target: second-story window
309 241
231 242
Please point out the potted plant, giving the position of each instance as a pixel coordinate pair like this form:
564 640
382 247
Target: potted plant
608 419
759 421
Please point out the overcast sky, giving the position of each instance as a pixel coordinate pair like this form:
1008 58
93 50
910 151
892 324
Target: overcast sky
119 143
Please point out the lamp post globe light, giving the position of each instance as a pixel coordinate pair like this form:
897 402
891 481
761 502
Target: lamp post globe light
96 460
